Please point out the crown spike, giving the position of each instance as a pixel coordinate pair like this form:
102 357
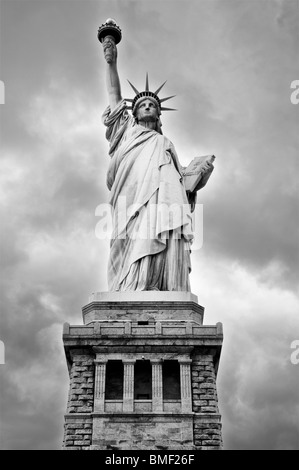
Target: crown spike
159 89
165 99
135 89
146 83
167 109
129 99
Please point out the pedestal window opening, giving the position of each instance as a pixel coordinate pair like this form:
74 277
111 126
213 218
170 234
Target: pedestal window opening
114 380
171 380
143 380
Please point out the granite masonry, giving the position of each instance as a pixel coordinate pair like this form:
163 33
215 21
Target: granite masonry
143 371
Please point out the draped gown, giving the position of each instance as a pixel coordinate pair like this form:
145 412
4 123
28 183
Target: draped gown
152 222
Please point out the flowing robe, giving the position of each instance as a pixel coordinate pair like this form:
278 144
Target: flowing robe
152 223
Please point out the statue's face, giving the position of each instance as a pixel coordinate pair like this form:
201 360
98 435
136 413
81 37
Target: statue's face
147 111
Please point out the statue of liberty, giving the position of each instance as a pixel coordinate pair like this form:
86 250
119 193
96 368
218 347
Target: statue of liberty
152 221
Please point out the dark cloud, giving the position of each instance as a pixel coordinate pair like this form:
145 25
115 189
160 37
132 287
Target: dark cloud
253 236
35 389
257 383
261 415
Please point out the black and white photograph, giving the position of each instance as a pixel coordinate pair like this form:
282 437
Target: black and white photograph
149 226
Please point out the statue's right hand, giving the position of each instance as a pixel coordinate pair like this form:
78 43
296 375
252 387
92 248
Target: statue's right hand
110 50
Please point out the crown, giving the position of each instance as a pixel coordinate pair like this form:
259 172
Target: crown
148 94
109 28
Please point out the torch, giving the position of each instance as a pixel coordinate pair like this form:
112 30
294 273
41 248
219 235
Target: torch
109 28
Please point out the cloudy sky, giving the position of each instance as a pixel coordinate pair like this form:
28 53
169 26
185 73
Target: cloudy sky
231 64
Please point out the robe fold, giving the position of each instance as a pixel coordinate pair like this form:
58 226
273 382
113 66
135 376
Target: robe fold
152 222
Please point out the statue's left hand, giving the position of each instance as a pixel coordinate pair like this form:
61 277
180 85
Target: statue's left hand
192 198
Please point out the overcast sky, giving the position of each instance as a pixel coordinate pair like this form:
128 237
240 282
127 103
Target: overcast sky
231 64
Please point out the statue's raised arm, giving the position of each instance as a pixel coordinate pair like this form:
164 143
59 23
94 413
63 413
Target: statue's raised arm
109 35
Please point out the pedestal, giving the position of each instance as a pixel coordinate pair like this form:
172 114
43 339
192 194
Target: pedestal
143 373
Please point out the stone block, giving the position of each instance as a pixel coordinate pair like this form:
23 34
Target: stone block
209 409
213 432
70 435
114 407
202 360
75 374
84 409
211 443
207 373
200 437
213 403
75 393
78 381
199 426
142 407
215 437
81 431
200 403
84 397
77 403
75 426
199 380
172 407
209 380
209 369
215 426
79 443
207 386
